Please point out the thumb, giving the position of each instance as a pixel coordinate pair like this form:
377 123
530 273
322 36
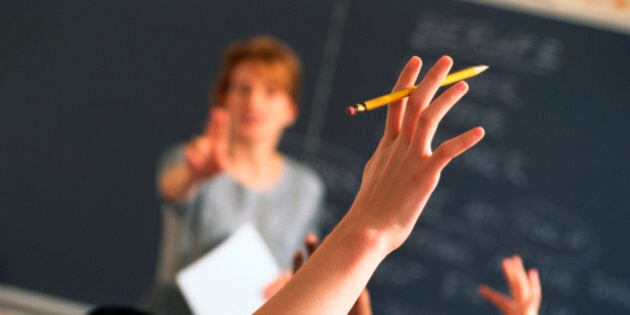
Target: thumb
499 300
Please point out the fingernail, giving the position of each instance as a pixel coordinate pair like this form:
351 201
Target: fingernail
461 85
444 61
478 132
414 60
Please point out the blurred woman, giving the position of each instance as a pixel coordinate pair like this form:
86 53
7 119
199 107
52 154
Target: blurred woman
234 173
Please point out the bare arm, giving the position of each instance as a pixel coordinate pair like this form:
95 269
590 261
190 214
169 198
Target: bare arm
362 306
397 182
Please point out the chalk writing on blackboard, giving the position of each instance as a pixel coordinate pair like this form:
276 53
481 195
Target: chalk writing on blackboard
520 51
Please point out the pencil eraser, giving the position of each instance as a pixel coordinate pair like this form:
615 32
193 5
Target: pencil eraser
351 110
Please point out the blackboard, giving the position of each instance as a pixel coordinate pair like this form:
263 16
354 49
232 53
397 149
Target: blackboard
549 180
93 93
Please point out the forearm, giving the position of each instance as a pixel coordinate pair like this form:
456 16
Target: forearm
333 278
397 182
177 182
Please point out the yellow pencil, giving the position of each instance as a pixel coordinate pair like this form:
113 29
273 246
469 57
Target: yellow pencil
386 99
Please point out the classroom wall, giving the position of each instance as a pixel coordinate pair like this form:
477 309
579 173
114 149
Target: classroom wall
92 93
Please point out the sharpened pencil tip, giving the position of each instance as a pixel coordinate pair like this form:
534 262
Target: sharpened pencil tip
481 68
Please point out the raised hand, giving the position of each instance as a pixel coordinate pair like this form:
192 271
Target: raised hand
404 170
207 154
525 291
397 182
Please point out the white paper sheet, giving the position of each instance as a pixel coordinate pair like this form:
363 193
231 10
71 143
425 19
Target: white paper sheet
231 278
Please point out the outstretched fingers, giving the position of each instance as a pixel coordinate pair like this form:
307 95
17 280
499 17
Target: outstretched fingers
517 278
218 128
525 292
431 117
420 99
453 147
218 135
396 110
